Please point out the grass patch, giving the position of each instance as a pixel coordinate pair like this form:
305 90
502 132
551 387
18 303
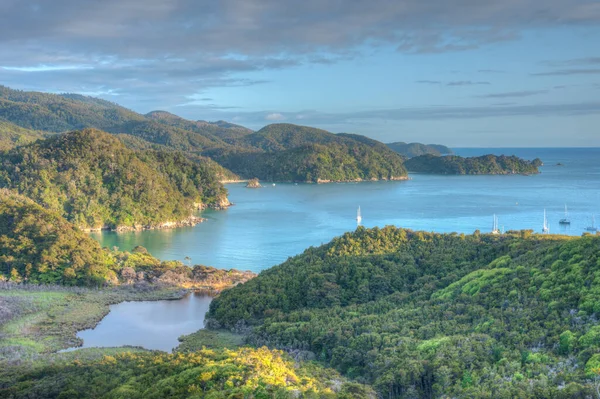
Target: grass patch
34 322
212 339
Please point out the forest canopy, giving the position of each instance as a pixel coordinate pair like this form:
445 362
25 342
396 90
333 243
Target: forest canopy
94 181
426 315
483 165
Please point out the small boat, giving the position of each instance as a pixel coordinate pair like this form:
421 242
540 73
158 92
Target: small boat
495 229
273 184
545 227
358 216
593 227
565 220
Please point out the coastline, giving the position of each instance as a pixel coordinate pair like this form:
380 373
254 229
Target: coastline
322 181
191 221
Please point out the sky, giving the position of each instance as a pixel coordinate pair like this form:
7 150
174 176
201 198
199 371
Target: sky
466 73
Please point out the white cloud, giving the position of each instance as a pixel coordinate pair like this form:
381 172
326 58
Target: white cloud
275 117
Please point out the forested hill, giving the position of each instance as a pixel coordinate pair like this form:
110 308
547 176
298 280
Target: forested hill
287 152
65 112
12 135
94 181
483 165
425 315
207 373
219 130
317 155
410 150
59 113
39 246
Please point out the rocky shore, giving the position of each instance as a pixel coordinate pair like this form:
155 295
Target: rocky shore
187 222
393 178
253 183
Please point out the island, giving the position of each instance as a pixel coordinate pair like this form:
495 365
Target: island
253 183
483 165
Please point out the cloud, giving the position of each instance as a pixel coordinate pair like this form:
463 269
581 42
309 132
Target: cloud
274 117
46 68
573 61
466 83
431 113
453 83
524 93
565 72
158 52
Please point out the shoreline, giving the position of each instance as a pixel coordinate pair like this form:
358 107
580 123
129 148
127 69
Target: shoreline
188 222
321 181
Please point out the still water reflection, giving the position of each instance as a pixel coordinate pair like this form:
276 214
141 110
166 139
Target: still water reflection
150 324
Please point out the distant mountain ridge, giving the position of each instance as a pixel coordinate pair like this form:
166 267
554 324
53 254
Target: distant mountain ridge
287 152
410 150
318 155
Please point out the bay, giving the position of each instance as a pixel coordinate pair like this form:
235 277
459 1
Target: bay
268 225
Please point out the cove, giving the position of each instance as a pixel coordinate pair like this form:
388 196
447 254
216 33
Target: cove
149 324
270 224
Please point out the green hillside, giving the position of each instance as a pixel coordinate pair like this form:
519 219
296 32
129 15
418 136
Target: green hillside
59 113
12 135
40 245
218 131
286 152
247 154
241 373
425 315
94 181
483 165
65 112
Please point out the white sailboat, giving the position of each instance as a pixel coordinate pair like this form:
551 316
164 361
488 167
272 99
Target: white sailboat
593 227
565 220
358 216
495 229
545 228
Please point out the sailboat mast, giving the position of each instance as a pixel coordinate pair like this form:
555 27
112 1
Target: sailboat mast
545 228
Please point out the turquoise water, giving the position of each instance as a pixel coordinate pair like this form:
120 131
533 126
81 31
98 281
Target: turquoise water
268 225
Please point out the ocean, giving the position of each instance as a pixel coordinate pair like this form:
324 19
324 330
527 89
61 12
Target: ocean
268 225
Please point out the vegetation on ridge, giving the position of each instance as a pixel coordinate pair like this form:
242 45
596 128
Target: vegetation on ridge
483 165
94 181
12 135
39 246
411 150
435 315
207 373
286 152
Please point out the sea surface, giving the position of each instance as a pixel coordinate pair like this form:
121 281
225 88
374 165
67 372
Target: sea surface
268 225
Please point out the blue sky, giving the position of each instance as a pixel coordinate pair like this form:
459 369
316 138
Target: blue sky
478 73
